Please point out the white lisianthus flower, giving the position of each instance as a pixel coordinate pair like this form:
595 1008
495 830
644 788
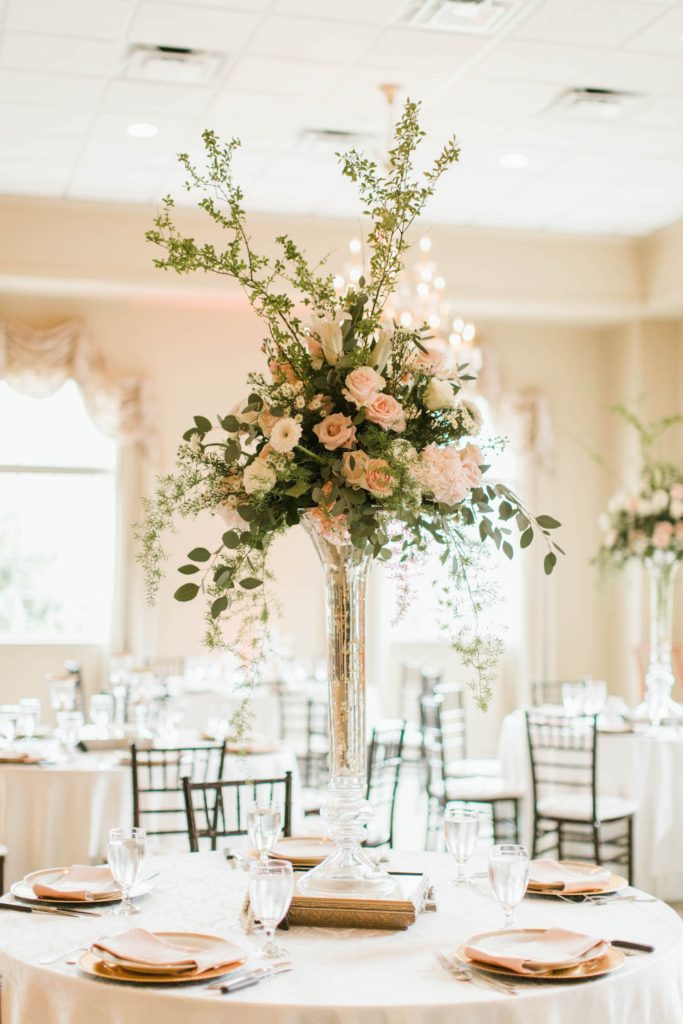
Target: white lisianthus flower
659 501
379 357
676 508
438 394
329 334
285 435
258 477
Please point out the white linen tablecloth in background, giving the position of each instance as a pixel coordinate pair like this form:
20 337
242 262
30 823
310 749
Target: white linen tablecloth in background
342 976
646 767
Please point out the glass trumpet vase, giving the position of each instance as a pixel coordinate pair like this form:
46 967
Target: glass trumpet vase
348 869
662 568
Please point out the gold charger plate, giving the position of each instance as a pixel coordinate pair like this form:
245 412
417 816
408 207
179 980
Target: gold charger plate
302 851
610 961
24 891
614 884
92 964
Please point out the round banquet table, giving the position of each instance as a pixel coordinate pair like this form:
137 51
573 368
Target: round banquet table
646 767
342 976
61 813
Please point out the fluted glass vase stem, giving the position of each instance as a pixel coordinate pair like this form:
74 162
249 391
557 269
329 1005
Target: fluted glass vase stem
662 568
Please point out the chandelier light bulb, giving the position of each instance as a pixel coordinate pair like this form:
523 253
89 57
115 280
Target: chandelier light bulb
469 332
338 281
434 321
426 274
454 339
354 245
406 320
354 274
423 289
439 283
458 326
425 244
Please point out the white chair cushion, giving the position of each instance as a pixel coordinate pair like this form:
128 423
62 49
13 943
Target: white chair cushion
471 766
481 789
578 807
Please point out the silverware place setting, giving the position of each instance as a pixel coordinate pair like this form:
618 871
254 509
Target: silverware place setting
467 974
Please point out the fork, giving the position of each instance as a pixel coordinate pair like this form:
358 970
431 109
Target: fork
60 956
462 973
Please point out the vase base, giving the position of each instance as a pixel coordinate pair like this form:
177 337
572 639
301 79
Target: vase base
657 708
350 873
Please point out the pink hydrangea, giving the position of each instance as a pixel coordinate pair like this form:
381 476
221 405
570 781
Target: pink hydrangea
441 471
472 460
662 534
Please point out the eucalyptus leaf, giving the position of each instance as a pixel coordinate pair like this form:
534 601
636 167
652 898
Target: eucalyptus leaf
187 592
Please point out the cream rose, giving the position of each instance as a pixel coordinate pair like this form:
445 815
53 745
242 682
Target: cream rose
285 435
363 385
258 477
662 534
660 501
335 431
677 492
353 467
387 413
267 421
378 479
438 394
676 508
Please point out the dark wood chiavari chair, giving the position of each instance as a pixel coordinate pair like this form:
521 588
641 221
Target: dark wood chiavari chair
217 810
568 811
157 776
384 769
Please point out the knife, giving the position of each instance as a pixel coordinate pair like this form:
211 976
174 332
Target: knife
252 978
49 910
627 944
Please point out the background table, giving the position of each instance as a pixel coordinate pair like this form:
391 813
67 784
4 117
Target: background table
646 767
52 815
342 976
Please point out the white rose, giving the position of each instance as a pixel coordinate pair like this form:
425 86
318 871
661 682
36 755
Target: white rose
438 394
676 508
258 477
645 507
285 435
659 501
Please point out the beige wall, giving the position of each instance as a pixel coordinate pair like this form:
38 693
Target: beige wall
564 316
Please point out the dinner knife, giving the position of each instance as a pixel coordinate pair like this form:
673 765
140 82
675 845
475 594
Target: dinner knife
252 978
49 910
640 947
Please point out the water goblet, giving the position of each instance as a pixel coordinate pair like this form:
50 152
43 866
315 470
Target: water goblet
264 823
461 829
271 886
29 717
62 693
9 716
102 713
508 875
125 854
69 725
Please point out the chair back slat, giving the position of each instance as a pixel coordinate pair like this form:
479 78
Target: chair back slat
563 754
216 809
157 778
384 767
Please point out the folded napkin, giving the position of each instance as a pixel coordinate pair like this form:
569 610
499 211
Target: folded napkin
534 952
550 874
9 757
139 946
80 882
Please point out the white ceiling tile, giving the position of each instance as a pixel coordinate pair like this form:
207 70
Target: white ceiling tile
33 177
336 42
73 91
619 141
203 28
293 77
420 48
105 19
30 118
662 35
666 112
638 72
42 149
540 62
144 99
234 5
42 52
545 130
497 102
585 22
374 11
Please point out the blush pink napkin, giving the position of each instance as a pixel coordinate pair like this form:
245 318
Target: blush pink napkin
550 874
80 882
530 953
142 947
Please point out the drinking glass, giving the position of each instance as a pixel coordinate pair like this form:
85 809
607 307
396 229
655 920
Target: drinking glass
69 725
508 875
102 713
573 698
29 717
62 694
595 697
125 853
264 823
461 829
270 892
9 716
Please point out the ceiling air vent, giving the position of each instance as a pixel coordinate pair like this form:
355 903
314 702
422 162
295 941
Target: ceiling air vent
594 104
175 64
481 16
329 140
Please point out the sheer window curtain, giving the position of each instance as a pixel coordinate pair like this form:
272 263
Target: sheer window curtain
37 363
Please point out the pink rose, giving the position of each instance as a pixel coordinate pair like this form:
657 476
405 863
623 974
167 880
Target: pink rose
378 479
436 359
662 534
472 460
387 413
632 504
267 421
282 371
677 492
442 472
336 431
353 468
363 385
679 532
315 350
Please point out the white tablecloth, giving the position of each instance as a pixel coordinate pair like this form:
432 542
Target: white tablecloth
61 814
644 767
342 976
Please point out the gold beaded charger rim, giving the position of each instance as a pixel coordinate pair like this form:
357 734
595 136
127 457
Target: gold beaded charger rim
590 967
93 964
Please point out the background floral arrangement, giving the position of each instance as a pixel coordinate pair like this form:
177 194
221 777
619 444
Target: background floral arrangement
648 518
359 420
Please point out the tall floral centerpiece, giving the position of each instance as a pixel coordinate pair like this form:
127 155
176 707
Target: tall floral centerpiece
645 524
357 430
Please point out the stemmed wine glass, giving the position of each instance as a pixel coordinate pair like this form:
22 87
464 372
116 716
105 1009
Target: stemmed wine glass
508 875
9 717
125 853
270 892
461 828
264 823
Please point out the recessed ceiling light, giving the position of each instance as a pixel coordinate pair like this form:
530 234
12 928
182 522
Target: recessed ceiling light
142 130
514 161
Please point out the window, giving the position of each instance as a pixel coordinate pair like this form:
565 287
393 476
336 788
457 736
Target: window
57 520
